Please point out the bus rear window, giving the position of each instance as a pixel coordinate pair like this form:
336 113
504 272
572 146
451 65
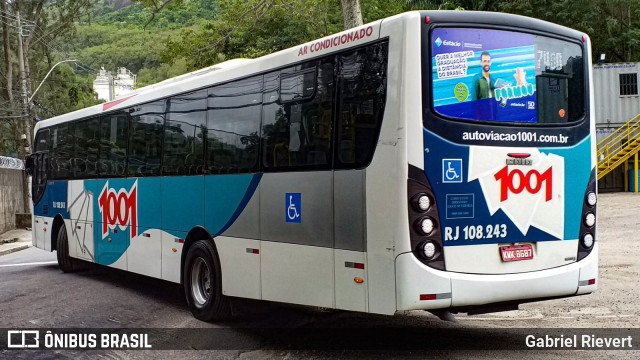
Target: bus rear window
505 76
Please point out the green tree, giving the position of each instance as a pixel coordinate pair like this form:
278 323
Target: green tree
252 28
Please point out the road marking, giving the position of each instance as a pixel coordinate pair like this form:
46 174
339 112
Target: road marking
30 264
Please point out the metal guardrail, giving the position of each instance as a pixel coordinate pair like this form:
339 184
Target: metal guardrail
11 163
622 139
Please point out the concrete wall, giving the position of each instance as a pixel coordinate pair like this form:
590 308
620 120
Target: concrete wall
10 197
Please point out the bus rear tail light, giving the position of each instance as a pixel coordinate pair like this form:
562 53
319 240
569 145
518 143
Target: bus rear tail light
425 225
425 232
429 250
588 220
421 202
587 240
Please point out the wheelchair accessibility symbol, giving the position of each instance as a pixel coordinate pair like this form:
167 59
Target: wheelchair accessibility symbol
293 207
451 170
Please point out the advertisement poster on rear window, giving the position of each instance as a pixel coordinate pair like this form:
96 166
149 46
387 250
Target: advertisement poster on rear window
481 74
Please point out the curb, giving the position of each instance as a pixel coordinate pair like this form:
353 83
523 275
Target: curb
15 249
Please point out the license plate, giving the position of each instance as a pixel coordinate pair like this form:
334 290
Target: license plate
516 252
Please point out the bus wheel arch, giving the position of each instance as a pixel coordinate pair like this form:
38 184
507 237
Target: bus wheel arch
66 263
197 233
57 224
201 277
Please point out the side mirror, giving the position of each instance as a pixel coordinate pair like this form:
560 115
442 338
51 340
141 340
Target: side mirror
28 165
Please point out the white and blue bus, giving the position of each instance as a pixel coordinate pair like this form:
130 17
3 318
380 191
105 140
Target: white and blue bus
430 160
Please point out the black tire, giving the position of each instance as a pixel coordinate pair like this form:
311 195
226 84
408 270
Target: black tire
65 262
202 281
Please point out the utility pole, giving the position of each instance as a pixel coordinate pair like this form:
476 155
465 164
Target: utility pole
26 126
23 79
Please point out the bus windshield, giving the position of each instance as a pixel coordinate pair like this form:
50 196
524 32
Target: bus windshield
506 76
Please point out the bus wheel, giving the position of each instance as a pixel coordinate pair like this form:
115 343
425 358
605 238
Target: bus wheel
203 283
65 262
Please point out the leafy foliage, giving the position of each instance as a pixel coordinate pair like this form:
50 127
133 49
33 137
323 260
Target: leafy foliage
254 28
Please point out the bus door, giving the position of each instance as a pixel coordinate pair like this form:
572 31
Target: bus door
38 165
296 191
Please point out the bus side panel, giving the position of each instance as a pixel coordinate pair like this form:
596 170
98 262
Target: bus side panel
81 225
53 202
182 202
38 232
349 222
144 255
172 244
228 204
589 272
238 249
350 294
386 175
81 240
247 223
296 228
297 274
240 263
349 209
414 279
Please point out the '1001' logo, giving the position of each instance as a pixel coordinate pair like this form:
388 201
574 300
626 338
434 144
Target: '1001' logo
532 181
119 209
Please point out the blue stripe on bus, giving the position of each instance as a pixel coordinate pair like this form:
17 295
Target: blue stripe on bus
55 193
226 197
173 204
253 185
576 179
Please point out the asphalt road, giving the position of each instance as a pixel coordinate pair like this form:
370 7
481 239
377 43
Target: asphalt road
34 293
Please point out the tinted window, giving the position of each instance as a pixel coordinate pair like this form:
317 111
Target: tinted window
560 95
61 151
42 141
185 129
87 144
297 135
114 136
145 140
298 86
233 125
362 85
505 76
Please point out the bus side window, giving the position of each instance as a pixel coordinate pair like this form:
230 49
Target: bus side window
114 135
297 120
145 139
185 129
42 141
62 151
87 138
39 165
233 124
362 90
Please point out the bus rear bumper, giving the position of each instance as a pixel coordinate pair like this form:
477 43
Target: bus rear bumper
419 287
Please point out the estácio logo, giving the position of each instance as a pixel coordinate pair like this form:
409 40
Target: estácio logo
452 43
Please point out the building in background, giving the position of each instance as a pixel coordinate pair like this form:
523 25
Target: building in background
110 87
616 102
